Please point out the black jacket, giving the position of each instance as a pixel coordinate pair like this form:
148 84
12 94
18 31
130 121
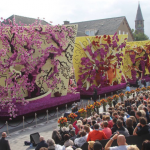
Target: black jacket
41 144
114 128
4 144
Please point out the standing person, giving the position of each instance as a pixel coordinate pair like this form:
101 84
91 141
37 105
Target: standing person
4 144
128 87
137 83
144 82
95 95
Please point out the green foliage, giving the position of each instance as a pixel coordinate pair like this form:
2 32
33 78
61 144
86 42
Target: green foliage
139 36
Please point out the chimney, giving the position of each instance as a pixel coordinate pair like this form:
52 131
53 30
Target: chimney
66 22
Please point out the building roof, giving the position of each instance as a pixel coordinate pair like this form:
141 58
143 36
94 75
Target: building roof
25 20
102 26
139 15
79 33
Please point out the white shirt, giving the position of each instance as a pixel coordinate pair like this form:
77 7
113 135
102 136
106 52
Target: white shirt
122 147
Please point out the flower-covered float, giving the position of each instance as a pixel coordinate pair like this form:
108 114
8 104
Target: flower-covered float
98 63
35 64
137 61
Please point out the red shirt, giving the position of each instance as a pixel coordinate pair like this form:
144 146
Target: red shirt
110 124
107 132
96 135
76 128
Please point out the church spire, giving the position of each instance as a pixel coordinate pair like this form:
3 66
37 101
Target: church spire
139 15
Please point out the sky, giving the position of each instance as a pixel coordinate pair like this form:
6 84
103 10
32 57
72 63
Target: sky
58 11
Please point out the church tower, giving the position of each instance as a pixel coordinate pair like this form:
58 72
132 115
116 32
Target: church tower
139 21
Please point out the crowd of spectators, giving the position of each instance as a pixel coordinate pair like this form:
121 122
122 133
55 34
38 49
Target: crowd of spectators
130 117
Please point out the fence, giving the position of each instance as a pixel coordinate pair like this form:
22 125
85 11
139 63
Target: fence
81 105
47 115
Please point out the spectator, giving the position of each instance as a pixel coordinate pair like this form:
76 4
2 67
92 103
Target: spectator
41 144
138 115
114 128
133 147
4 144
87 130
107 130
146 145
110 123
67 141
91 145
81 140
121 129
84 121
128 87
56 137
53 146
97 146
96 134
141 128
121 141
129 125
73 135
98 120
134 121
69 148
70 127
63 132
77 126
147 113
148 108
93 122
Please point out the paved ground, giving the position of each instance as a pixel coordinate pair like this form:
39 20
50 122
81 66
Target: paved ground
17 137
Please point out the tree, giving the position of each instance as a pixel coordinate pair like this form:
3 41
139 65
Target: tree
139 36
22 56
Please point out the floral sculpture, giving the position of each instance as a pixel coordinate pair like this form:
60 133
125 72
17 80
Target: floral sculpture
82 112
97 106
116 97
18 61
62 121
138 90
148 88
109 100
121 95
72 117
132 91
90 109
128 94
104 103
137 62
143 89
103 56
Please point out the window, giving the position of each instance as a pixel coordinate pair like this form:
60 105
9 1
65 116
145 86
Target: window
127 33
119 32
90 32
87 32
123 32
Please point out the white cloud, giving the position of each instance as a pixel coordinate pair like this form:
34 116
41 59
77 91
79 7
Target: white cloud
76 10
